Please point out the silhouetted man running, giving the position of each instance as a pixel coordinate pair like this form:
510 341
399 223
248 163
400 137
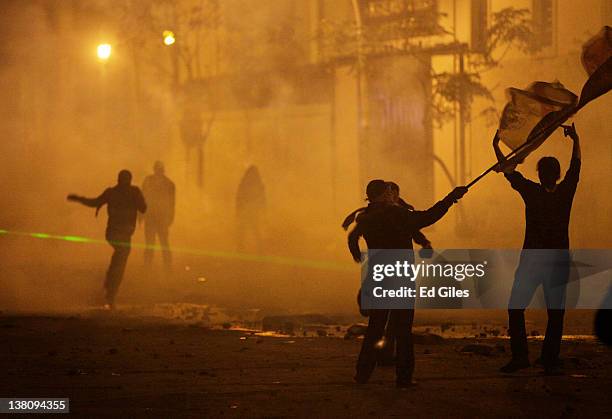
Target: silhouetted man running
384 225
159 192
386 353
392 197
547 214
123 202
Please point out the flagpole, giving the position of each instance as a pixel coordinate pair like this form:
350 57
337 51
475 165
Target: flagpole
564 116
490 169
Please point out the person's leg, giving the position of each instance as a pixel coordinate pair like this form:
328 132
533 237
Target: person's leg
402 329
367 356
555 286
386 354
109 283
241 225
518 334
162 231
552 340
116 269
522 292
256 223
149 233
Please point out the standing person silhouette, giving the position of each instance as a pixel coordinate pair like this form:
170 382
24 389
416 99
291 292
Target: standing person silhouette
384 225
123 202
250 210
547 214
159 193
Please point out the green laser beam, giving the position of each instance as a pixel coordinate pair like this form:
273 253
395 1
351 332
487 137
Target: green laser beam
248 257
77 239
41 235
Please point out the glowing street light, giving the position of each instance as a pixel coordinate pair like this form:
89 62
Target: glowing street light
168 37
104 51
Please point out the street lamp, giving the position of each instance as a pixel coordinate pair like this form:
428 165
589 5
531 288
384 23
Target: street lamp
168 37
104 51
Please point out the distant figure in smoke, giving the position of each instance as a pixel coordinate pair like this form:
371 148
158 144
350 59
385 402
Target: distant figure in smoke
123 202
547 213
159 192
384 225
250 208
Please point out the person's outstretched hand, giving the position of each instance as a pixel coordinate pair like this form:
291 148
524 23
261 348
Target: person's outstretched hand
72 197
570 131
458 193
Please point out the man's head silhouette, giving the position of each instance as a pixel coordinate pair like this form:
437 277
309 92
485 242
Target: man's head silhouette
549 171
376 190
124 178
158 168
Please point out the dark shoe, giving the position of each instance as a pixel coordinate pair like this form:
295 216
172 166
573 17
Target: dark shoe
514 365
405 383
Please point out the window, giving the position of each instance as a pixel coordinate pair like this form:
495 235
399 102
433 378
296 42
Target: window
479 14
543 22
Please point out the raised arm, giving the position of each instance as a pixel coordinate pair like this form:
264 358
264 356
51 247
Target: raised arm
570 131
573 173
90 202
508 167
503 164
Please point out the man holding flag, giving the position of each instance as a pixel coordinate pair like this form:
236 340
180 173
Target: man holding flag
528 119
547 213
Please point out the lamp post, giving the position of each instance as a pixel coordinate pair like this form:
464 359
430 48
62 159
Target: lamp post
169 39
362 123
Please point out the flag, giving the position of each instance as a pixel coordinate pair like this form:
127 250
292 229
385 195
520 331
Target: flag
597 61
533 114
529 111
597 50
